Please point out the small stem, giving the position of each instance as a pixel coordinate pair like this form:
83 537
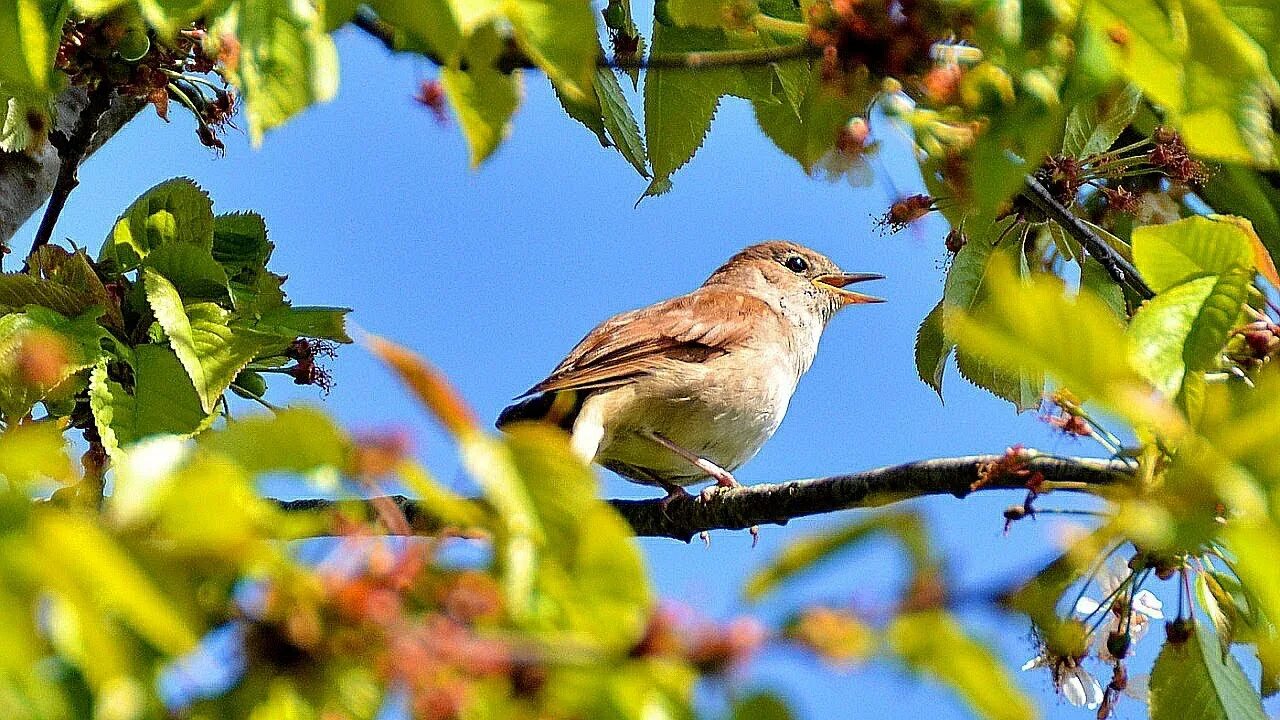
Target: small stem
71 153
778 26
1120 270
702 59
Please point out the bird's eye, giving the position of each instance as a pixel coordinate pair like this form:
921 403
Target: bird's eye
796 264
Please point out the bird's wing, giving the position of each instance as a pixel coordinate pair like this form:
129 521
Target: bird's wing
694 328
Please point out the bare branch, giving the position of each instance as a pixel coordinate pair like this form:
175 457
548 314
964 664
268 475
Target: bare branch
741 508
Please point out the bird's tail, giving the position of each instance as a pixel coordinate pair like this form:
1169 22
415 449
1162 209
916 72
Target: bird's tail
559 408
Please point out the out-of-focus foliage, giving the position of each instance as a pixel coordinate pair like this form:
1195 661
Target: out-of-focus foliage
1142 118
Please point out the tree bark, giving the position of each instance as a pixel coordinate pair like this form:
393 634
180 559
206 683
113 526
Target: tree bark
750 505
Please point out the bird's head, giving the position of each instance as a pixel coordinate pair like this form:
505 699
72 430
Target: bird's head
793 277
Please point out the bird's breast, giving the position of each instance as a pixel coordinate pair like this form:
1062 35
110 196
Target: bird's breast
723 409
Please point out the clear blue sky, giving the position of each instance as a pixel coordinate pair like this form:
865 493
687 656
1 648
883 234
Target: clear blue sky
493 275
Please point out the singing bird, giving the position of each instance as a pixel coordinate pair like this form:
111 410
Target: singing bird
690 388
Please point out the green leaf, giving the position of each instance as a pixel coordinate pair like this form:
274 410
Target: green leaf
163 400
965 290
679 103
482 97
19 290
1184 328
712 14
802 555
58 347
1094 126
932 350
287 61
1246 192
560 37
175 211
211 352
192 270
295 440
808 131
1192 680
1169 254
18 114
1260 19
29 32
1095 279
620 122
1023 327
240 242
313 322
934 643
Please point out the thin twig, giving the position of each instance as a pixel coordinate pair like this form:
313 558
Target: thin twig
740 508
71 152
514 59
1120 270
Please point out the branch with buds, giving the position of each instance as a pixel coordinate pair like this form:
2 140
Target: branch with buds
743 507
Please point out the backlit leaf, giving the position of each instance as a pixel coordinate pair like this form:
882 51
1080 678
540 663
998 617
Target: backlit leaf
175 211
1166 255
1192 680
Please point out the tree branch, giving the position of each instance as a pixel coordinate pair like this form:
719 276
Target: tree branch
1120 269
71 152
744 507
27 180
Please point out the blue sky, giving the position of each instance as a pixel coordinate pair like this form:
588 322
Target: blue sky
493 275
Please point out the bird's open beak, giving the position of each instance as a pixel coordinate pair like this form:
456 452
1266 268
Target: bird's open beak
837 283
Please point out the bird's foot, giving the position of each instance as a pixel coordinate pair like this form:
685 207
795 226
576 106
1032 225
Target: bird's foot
673 492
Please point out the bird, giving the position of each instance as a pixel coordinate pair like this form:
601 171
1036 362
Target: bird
688 390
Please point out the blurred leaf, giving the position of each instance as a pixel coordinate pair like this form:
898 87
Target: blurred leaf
168 16
163 400
78 552
211 352
296 439
1166 255
1209 77
1184 328
34 451
839 637
482 97
1261 257
175 211
1192 680
286 62
934 643
801 555
932 350
761 705
560 37
1094 126
429 385
1218 606
30 31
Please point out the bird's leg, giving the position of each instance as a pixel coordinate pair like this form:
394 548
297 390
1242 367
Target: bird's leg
722 477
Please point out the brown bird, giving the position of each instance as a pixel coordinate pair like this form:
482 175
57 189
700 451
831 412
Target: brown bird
689 389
